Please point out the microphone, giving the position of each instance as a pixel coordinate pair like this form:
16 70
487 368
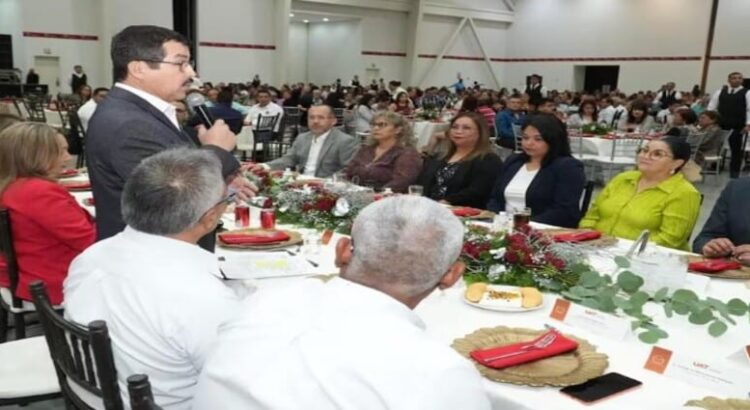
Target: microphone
197 104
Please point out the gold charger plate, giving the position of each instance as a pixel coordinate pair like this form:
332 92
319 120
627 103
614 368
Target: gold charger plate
295 238
713 403
563 370
742 273
603 241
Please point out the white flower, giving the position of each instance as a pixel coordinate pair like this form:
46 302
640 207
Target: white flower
495 271
498 253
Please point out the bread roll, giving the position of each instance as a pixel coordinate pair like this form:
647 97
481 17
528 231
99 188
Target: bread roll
531 297
475 291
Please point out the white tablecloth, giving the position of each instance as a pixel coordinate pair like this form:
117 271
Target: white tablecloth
447 317
423 130
245 139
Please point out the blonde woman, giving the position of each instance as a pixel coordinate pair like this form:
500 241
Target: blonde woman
49 228
388 159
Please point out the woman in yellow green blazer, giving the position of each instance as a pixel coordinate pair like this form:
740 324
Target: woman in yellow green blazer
656 197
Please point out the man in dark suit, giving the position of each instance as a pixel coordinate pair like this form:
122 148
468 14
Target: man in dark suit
151 67
727 231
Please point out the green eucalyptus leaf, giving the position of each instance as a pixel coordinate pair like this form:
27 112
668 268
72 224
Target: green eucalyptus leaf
571 296
636 324
701 317
737 307
638 299
661 294
719 305
622 303
717 328
590 280
680 308
622 262
591 303
606 303
685 296
649 337
629 282
668 309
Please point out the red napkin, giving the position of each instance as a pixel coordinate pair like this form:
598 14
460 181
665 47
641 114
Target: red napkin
69 172
578 236
466 211
257 238
713 265
77 186
561 345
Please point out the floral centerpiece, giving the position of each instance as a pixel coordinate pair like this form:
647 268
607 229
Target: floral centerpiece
522 258
595 128
427 113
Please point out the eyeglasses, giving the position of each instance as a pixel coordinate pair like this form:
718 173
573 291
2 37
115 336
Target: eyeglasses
182 64
462 128
655 154
380 124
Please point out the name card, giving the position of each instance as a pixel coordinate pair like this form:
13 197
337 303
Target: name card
717 377
326 238
592 320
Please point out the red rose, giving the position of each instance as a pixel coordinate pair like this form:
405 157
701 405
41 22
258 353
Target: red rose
325 204
511 257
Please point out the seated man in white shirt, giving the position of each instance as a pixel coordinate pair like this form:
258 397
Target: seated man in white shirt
353 342
158 291
87 110
264 107
320 152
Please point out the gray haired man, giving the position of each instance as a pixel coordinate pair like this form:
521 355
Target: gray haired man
159 292
353 342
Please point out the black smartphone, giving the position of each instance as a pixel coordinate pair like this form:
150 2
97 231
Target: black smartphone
600 387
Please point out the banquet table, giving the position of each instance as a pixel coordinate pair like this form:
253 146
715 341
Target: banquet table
448 317
423 130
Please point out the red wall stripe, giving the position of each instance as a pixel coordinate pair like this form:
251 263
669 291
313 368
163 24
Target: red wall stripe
383 53
730 57
60 36
237 45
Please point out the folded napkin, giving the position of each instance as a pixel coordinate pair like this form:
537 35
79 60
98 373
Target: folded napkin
77 186
69 172
560 345
713 265
577 236
254 238
466 211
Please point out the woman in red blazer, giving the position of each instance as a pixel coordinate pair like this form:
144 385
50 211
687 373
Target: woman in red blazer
49 228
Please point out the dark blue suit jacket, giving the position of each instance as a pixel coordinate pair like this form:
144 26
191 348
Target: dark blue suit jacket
124 130
730 217
553 196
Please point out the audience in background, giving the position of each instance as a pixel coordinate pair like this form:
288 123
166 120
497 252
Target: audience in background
402 104
543 177
87 110
465 175
388 159
683 122
587 114
48 226
656 197
637 119
732 102
362 345
77 79
363 113
713 142
265 107
506 119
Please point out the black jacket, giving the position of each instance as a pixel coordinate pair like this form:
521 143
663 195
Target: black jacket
553 196
124 130
470 185
730 217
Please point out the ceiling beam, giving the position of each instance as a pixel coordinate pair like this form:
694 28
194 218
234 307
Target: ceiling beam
502 16
510 4
447 47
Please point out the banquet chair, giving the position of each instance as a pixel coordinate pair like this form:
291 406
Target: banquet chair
82 357
290 121
264 133
695 140
77 138
139 390
588 192
518 137
27 374
35 109
10 304
339 113
725 151
21 108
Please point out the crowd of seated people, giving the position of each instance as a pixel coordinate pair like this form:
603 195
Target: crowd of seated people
176 197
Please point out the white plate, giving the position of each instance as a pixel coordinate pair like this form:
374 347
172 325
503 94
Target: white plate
481 305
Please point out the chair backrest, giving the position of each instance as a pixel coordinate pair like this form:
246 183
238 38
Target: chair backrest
518 135
139 390
695 140
35 109
82 357
339 113
21 108
266 123
588 192
626 147
9 253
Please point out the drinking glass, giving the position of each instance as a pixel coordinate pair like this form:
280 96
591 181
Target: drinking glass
521 218
417 190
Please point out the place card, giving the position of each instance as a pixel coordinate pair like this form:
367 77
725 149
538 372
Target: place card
326 238
592 320
261 265
713 376
741 357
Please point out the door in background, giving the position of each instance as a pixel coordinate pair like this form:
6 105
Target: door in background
48 69
601 78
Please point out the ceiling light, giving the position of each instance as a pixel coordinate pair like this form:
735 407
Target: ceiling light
325 18
291 14
306 20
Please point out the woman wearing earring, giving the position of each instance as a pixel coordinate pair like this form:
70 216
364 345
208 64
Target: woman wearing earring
656 197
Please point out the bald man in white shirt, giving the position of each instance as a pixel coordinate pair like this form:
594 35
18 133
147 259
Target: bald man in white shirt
354 342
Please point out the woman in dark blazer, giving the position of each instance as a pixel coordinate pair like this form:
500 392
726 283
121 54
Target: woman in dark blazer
544 177
463 176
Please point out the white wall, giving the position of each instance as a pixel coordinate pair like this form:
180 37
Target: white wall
239 22
298 38
334 51
11 18
730 39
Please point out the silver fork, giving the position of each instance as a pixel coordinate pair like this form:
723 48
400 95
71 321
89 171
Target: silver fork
539 344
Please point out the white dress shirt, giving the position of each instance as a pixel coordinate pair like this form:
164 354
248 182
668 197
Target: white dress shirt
270 109
162 301
335 345
312 158
713 105
85 112
515 192
155 101
606 115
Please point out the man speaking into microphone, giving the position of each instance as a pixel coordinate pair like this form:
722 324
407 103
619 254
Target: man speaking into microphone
151 68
